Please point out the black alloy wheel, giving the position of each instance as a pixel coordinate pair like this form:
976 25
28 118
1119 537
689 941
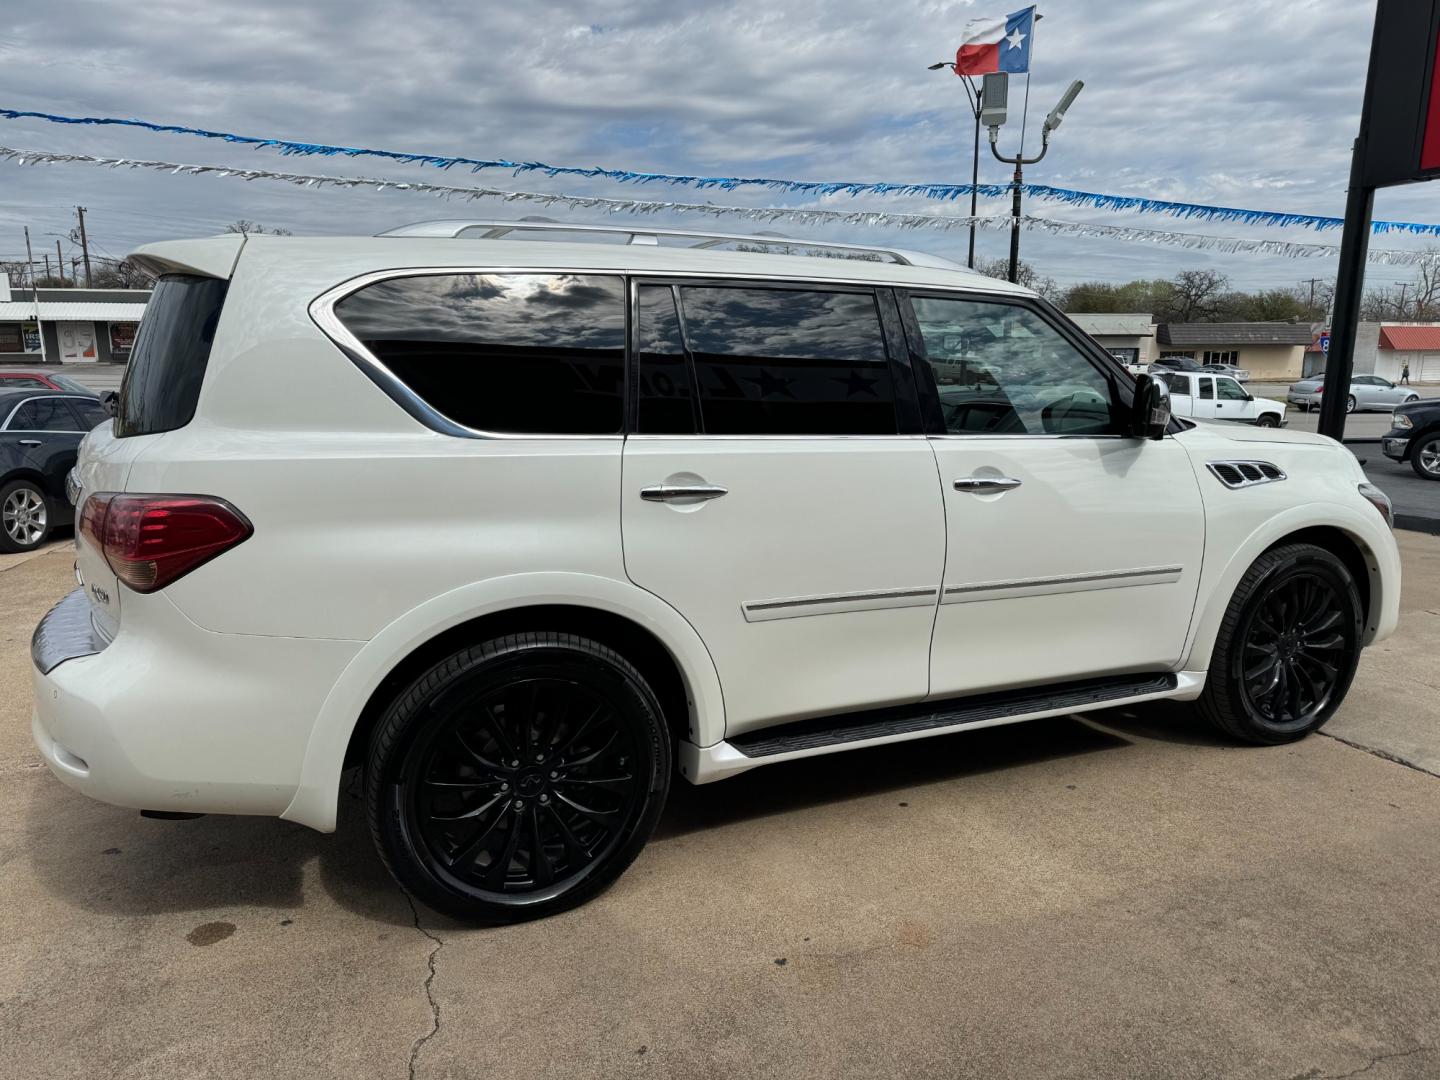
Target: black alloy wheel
1287 648
518 778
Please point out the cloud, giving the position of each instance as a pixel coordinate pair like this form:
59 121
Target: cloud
1242 102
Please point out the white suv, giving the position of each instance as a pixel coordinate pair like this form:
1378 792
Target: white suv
524 528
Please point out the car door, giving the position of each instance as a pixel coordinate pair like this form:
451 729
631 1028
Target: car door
1203 406
1232 402
778 493
45 434
1073 550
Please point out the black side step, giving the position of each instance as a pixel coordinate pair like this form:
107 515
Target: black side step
902 719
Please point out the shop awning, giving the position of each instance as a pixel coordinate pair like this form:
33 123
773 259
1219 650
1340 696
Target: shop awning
70 311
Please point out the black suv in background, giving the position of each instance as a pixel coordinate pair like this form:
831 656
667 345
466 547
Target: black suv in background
1415 437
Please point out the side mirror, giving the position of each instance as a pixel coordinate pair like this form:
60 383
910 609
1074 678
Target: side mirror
1150 416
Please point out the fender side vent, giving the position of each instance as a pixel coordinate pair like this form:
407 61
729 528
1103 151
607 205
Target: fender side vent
1242 474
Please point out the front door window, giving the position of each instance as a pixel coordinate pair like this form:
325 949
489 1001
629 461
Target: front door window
1000 369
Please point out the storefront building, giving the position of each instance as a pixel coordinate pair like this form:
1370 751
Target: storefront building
69 326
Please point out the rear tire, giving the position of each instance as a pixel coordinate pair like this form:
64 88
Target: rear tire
25 517
1425 457
1287 648
518 778
1350 404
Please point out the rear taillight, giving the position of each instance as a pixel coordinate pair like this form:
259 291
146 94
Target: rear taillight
151 540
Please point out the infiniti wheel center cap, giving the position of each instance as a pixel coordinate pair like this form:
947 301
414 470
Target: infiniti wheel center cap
531 782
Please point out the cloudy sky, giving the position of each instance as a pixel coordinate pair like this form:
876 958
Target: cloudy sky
1237 102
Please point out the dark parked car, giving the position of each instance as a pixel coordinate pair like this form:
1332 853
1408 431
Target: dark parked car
1415 437
28 379
40 431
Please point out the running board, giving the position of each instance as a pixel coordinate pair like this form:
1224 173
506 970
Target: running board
829 734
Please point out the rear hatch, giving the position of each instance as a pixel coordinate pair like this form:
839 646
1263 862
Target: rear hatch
159 394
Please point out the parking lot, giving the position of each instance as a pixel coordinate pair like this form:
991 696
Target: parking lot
1119 895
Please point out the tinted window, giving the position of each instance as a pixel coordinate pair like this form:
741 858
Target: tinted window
1001 369
521 353
89 413
788 362
172 348
21 382
1207 389
666 399
43 414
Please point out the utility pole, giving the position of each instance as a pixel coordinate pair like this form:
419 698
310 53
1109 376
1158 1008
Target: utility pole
1400 307
60 263
1312 282
47 261
35 292
84 244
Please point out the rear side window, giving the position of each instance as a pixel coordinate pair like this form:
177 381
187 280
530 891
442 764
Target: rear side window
788 361
172 348
21 382
91 413
43 414
666 395
511 353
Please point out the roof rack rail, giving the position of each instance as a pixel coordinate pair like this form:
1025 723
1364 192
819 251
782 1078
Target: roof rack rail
496 228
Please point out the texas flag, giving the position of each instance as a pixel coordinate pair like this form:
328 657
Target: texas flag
996 44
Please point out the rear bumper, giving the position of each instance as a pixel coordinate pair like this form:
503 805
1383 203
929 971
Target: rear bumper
66 632
168 716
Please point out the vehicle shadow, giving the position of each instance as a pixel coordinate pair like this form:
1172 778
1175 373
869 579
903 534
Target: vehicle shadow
857 774
112 862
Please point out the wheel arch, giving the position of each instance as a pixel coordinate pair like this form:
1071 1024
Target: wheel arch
637 624
1339 529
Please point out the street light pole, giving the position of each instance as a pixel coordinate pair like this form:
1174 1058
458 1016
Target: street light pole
1052 122
972 94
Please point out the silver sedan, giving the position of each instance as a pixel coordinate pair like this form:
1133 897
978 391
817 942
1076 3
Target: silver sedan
1366 392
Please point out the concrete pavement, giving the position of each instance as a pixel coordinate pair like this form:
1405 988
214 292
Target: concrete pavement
1120 896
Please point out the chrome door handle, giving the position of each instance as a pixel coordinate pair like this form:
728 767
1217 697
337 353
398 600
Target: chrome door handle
31 442
682 492
986 485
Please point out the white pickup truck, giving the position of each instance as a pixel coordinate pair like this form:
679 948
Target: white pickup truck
1202 396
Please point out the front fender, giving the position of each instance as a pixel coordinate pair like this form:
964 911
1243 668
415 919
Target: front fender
316 798
1360 524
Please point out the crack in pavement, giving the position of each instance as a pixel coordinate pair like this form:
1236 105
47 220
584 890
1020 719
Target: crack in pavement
1384 755
1313 1075
419 1043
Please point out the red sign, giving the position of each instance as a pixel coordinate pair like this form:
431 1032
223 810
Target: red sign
1430 155
122 339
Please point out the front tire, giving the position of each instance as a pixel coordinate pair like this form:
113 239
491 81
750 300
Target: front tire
24 517
1350 404
1425 457
1287 649
518 778
1269 419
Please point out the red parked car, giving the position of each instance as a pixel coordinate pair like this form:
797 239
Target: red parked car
32 379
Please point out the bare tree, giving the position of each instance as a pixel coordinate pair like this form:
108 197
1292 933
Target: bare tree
246 228
121 274
1194 295
1029 276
